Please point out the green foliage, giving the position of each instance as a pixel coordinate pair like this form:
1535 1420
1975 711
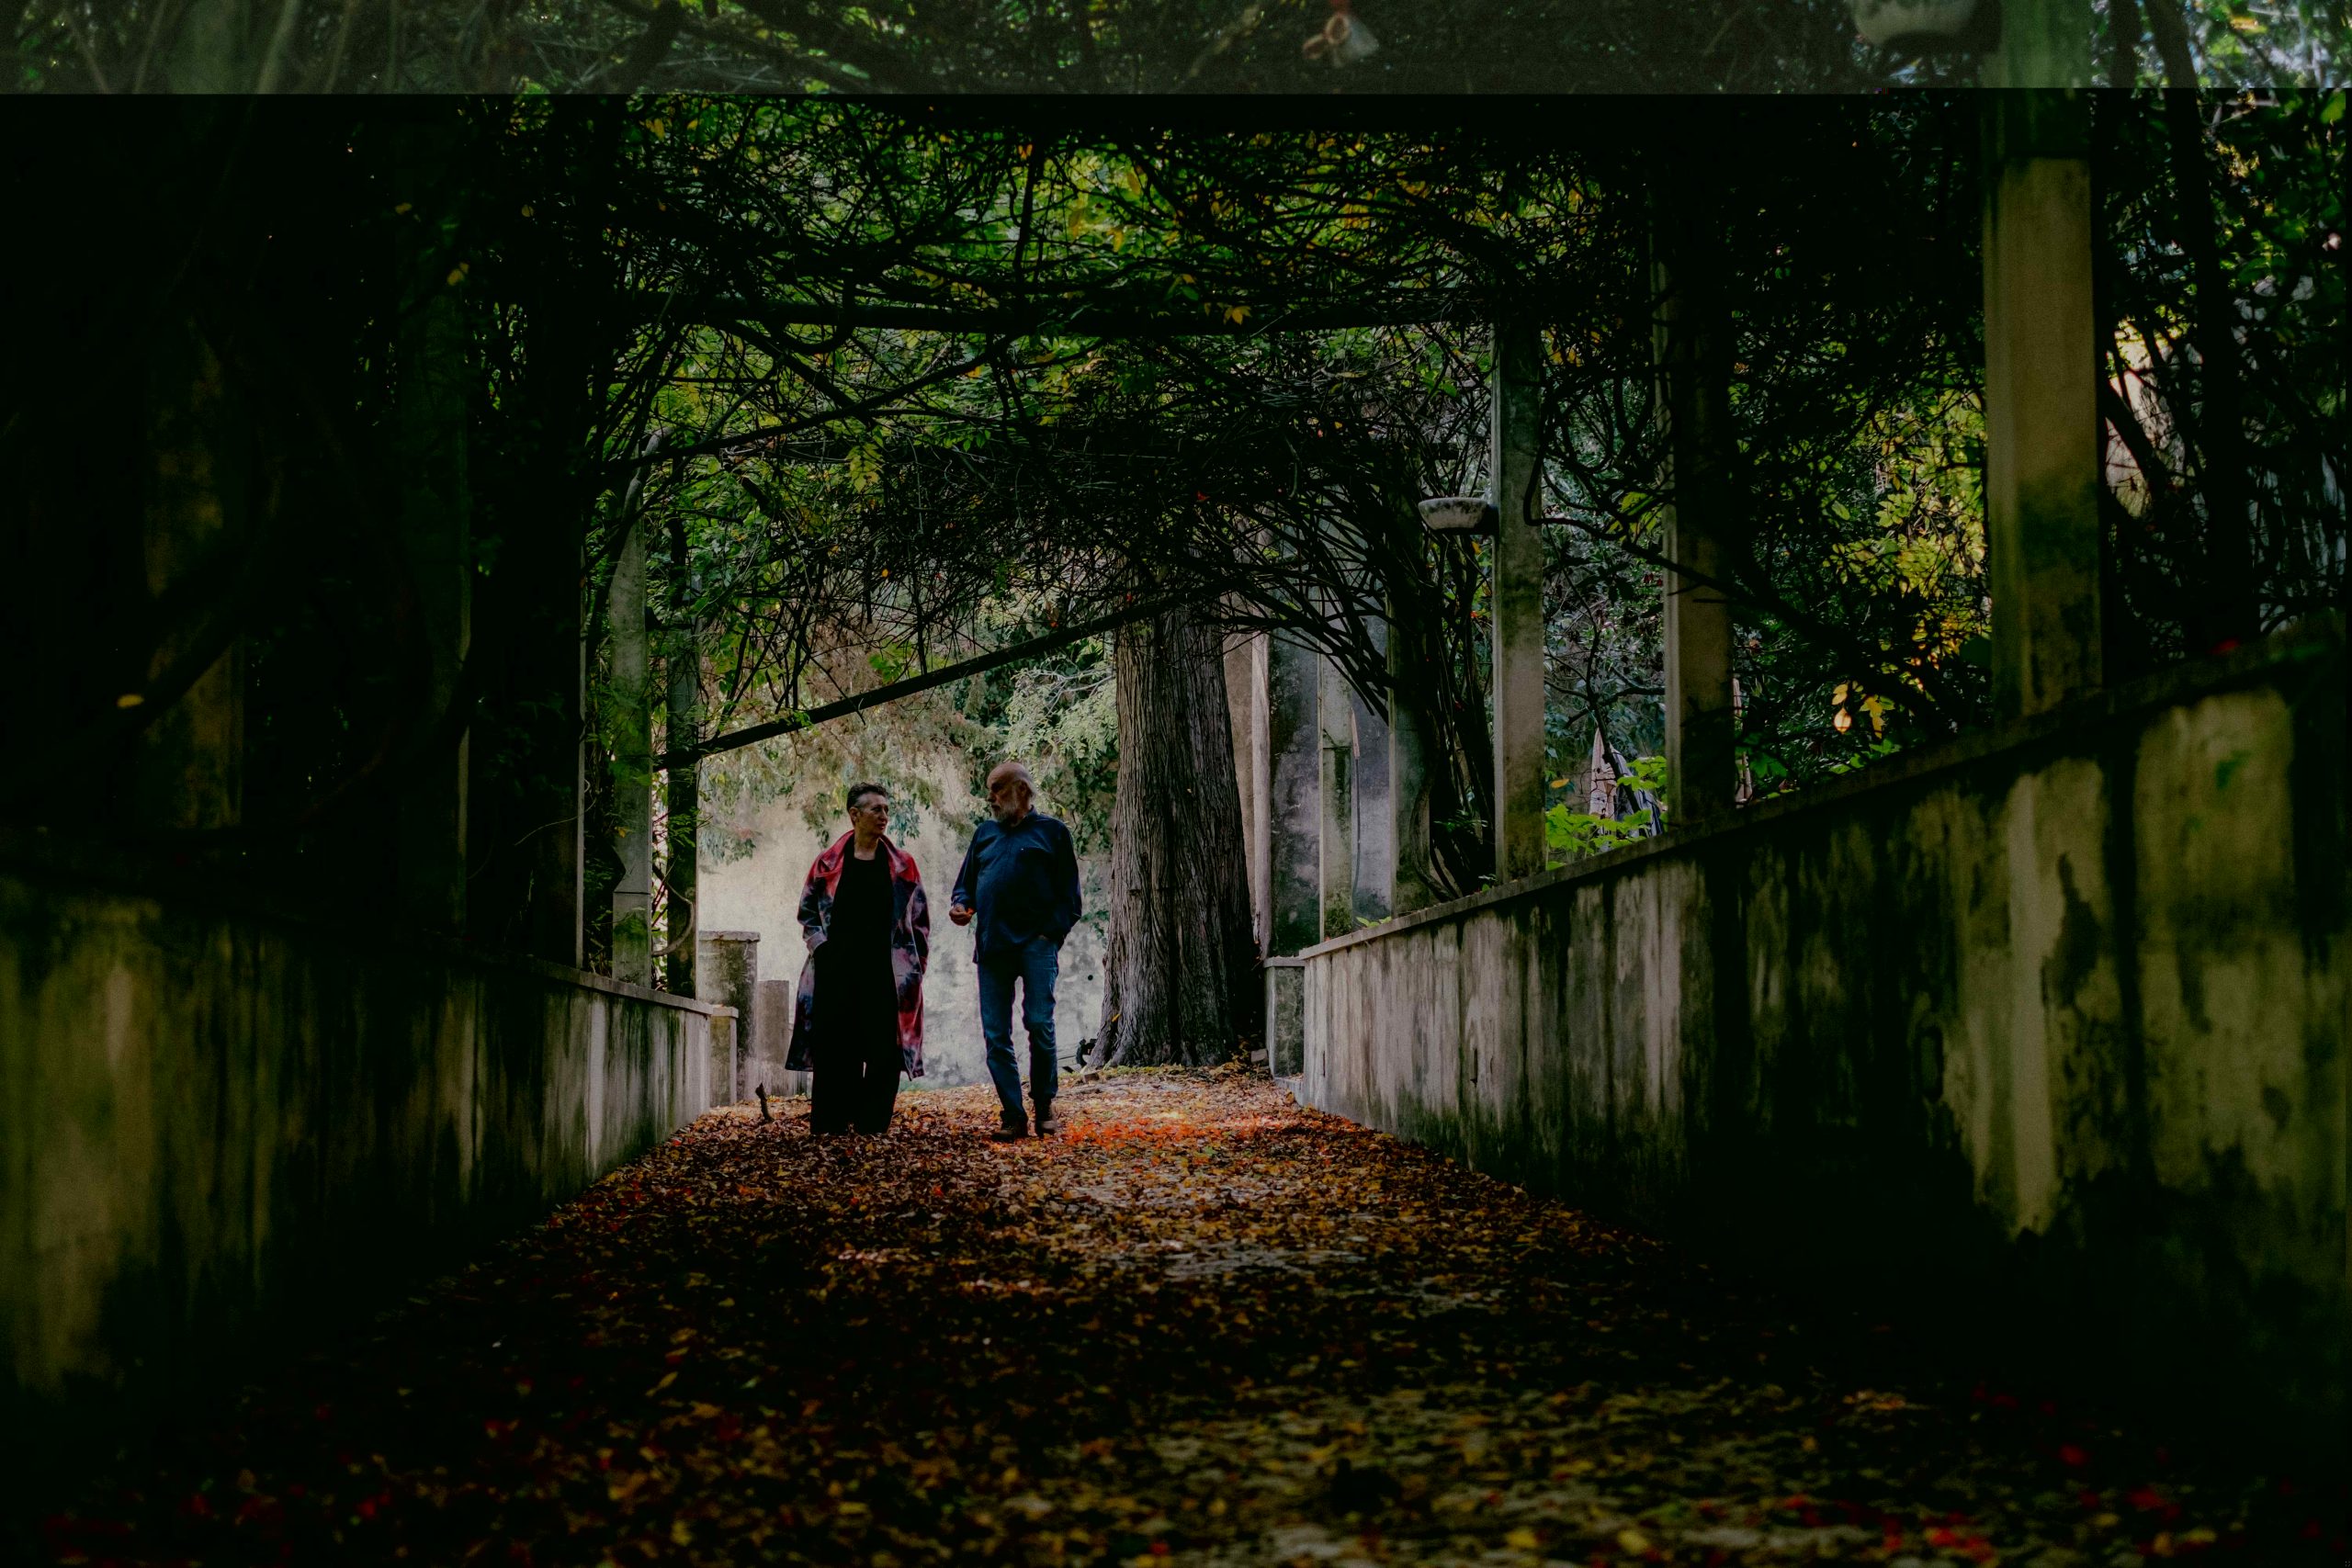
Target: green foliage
1062 718
1578 835
2222 291
1573 834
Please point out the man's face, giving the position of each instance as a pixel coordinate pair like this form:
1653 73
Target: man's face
1009 801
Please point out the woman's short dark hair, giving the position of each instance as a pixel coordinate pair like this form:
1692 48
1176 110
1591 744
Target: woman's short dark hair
858 792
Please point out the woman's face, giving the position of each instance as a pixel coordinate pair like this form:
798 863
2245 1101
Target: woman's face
871 814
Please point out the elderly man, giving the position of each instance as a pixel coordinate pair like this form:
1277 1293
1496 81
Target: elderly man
1020 879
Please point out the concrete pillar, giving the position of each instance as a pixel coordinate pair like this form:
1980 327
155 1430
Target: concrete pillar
630 722
727 971
1245 696
2044 43
1294 829
683 805
429 425
212 50
189 771
1336 836
772 1004
1287 1017
1410 743
574 857
1518 602
2041 428
1375 830
1691 345
1294 838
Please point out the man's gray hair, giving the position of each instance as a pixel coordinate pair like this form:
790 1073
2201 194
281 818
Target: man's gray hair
1004 770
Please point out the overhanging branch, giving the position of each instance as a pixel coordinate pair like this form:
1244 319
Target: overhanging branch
892 691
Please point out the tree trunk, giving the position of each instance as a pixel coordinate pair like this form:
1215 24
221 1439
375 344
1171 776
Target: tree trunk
1180 980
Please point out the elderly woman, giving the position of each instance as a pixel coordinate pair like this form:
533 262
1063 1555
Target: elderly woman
858 1020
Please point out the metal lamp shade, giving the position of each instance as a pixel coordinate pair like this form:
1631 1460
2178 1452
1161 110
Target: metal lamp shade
1459 514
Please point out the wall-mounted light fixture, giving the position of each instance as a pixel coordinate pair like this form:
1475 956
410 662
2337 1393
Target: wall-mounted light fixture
1459 514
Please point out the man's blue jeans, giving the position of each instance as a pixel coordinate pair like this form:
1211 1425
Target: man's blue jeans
1037 964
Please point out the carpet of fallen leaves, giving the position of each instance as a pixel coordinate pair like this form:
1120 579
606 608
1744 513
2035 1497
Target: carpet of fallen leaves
1201 1326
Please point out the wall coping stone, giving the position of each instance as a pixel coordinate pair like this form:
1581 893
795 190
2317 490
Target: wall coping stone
52 856
2314 637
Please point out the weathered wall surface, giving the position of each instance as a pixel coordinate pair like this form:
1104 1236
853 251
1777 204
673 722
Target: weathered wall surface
2046 1032
209 1119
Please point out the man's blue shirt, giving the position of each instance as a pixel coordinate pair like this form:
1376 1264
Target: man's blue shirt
1019 882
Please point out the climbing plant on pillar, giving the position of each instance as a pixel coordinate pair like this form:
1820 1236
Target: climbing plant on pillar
1180 976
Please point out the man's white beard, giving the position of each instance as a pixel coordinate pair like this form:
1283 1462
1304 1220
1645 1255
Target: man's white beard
1006 815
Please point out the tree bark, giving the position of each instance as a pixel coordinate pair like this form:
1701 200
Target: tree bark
1181 979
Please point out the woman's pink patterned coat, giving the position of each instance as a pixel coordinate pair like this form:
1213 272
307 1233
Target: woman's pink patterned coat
909 950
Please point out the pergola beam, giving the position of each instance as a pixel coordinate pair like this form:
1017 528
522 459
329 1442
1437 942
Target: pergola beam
1074 317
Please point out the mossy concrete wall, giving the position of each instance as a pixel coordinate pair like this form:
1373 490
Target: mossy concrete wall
211 1118
2043 1031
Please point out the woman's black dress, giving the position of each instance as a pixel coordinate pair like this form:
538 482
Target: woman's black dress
858 1060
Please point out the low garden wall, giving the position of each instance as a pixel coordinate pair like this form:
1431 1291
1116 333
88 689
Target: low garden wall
2042 1034
210 1119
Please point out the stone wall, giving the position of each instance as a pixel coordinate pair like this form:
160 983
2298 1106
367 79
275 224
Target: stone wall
2041 1033
211 1119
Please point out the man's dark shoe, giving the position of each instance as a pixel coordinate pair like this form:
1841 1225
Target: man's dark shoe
1010 1133
1047 1122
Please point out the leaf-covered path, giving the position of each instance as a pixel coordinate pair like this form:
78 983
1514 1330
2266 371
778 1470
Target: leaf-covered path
1202 1326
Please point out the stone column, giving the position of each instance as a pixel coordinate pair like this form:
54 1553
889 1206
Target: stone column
1336 836
429 424
1518 602
1375 830
574 856
727 971
630 723
684 803
1294 836
211 50
771 1003
189 771
1410 745
1691 345
1245 695
2042 429
1295 833
2044 43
